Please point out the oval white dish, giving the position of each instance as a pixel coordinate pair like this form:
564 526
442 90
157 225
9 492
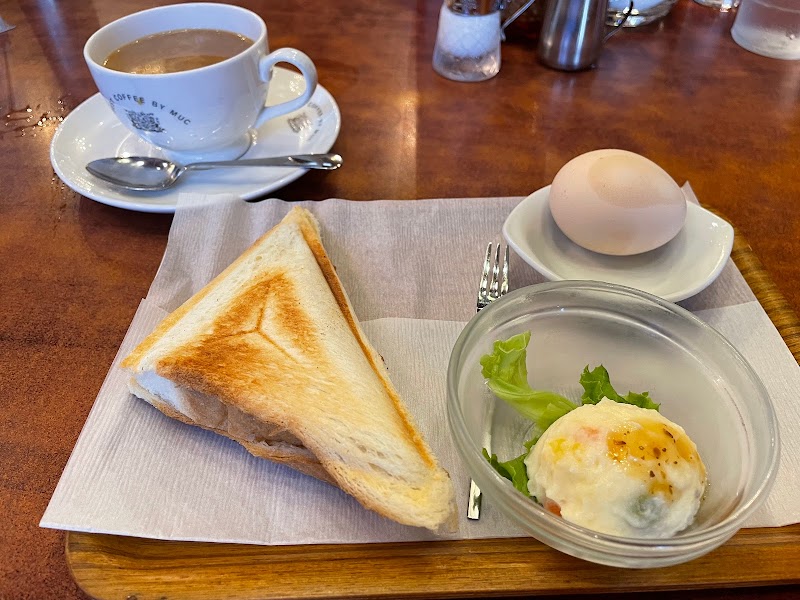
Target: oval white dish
679 269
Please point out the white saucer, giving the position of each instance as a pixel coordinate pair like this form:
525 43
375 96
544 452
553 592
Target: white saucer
92 131
686 265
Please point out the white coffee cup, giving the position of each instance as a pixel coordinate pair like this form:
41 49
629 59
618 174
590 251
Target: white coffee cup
201 114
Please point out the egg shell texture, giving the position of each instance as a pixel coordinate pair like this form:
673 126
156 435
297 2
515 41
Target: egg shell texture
616 202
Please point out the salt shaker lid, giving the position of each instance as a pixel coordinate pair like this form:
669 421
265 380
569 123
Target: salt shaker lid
474 7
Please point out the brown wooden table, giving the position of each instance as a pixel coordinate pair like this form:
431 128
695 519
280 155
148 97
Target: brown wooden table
73 271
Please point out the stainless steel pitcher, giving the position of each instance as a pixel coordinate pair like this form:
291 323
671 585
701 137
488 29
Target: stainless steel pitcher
573 33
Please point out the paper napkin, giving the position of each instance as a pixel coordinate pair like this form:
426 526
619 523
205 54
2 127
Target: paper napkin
411 269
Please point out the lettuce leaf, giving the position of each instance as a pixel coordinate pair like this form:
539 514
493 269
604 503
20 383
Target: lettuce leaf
506 374
514 470
597 385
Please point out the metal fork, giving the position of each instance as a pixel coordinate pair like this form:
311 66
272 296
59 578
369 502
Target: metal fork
494 283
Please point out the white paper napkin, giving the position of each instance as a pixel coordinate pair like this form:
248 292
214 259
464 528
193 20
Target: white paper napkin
411 269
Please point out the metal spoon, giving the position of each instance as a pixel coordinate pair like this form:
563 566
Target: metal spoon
143 173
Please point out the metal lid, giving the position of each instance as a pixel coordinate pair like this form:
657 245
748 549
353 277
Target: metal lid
474 7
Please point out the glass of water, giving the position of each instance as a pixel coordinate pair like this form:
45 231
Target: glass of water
769 27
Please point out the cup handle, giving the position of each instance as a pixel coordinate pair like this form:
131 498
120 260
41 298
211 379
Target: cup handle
618 26
307 69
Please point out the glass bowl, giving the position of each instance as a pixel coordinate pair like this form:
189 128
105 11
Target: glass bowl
646 344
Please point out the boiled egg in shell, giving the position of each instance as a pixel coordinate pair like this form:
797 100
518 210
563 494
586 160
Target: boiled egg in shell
616 202
618 469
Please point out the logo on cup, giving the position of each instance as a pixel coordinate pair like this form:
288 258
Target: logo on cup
144 121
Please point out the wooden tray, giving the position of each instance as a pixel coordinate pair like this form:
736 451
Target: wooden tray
116 567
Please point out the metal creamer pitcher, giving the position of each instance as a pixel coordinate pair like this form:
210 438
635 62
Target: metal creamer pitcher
573 33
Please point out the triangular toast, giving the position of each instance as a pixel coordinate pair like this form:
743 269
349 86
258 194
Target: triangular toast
271 355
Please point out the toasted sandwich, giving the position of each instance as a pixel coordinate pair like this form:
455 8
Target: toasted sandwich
270 354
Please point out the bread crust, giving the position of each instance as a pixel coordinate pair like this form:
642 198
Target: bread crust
273 342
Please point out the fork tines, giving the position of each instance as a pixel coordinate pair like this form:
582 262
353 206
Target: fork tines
494 280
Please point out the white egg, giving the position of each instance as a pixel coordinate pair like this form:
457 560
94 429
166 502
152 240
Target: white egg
618 469
616 202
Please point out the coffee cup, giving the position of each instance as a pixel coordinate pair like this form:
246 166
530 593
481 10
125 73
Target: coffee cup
200 112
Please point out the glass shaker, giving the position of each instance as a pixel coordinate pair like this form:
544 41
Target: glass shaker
468 40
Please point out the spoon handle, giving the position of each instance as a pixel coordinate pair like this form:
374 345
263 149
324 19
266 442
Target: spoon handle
326 162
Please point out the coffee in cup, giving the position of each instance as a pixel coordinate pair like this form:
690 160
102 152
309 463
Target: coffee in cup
192 79
177 50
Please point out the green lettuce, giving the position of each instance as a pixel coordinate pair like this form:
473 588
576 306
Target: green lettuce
597 385
506 374
514 470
